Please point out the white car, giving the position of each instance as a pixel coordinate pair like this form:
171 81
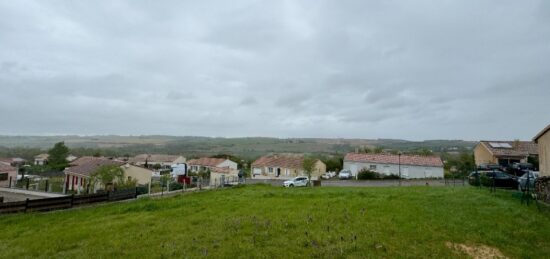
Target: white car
298 181
531 176
344 174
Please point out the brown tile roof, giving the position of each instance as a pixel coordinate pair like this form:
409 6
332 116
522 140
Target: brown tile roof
151 158
7 168
206 161
518 149
83 160
293 161
395 159
91 166
541 133
6 161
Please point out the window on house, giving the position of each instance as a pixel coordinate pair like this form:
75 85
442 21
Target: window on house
270 169
372 167
3 177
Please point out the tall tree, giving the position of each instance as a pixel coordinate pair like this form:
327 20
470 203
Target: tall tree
58 156
309 165
107 175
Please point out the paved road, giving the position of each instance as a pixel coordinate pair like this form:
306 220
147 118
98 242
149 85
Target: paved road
369 183
13 194
10 196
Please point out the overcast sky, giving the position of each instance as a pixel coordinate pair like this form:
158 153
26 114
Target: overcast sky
354 69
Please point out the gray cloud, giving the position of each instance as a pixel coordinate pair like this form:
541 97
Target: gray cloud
366 69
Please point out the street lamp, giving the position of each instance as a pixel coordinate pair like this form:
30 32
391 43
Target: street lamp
399 163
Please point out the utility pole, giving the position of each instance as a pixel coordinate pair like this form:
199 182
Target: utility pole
399 162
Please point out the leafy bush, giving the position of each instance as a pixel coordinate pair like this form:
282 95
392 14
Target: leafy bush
390 177
175 186
366 174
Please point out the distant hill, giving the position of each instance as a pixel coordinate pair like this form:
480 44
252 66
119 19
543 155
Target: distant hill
245 147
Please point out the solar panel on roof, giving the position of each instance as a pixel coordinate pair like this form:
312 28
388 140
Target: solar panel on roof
505 145
500 145
494 144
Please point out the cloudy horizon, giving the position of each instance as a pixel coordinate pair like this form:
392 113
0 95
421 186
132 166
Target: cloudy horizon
333 69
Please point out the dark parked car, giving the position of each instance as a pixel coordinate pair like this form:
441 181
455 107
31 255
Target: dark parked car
486 178
489 167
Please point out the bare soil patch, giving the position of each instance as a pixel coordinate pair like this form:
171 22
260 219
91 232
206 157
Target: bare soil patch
477 251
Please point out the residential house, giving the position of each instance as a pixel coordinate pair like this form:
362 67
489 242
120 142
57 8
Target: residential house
15 161
8 175
284 166
150 160
207 163
543 141
41 159
408 166
78 177
505 153
220 175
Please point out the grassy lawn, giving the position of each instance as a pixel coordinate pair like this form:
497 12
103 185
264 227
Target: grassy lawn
264 222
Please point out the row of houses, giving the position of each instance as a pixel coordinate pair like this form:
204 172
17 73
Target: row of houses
142 168
286 166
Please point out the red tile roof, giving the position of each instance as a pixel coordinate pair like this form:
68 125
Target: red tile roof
518 148
294 161
434 161
7 168
206 161
6 161
91 166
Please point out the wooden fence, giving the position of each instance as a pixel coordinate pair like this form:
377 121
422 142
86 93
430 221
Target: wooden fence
65 202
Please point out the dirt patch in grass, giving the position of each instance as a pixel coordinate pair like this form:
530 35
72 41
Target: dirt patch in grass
477 251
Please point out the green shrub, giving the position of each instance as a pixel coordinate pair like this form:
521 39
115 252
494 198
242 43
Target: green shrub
175 186
366 174
390 177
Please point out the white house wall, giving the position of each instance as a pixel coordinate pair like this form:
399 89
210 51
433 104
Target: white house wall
407 171
228 163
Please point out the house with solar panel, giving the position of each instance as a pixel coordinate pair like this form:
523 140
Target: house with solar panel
505 153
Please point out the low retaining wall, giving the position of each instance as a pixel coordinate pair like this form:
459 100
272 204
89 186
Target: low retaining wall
32 193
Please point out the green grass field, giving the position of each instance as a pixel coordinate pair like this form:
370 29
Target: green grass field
265 222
